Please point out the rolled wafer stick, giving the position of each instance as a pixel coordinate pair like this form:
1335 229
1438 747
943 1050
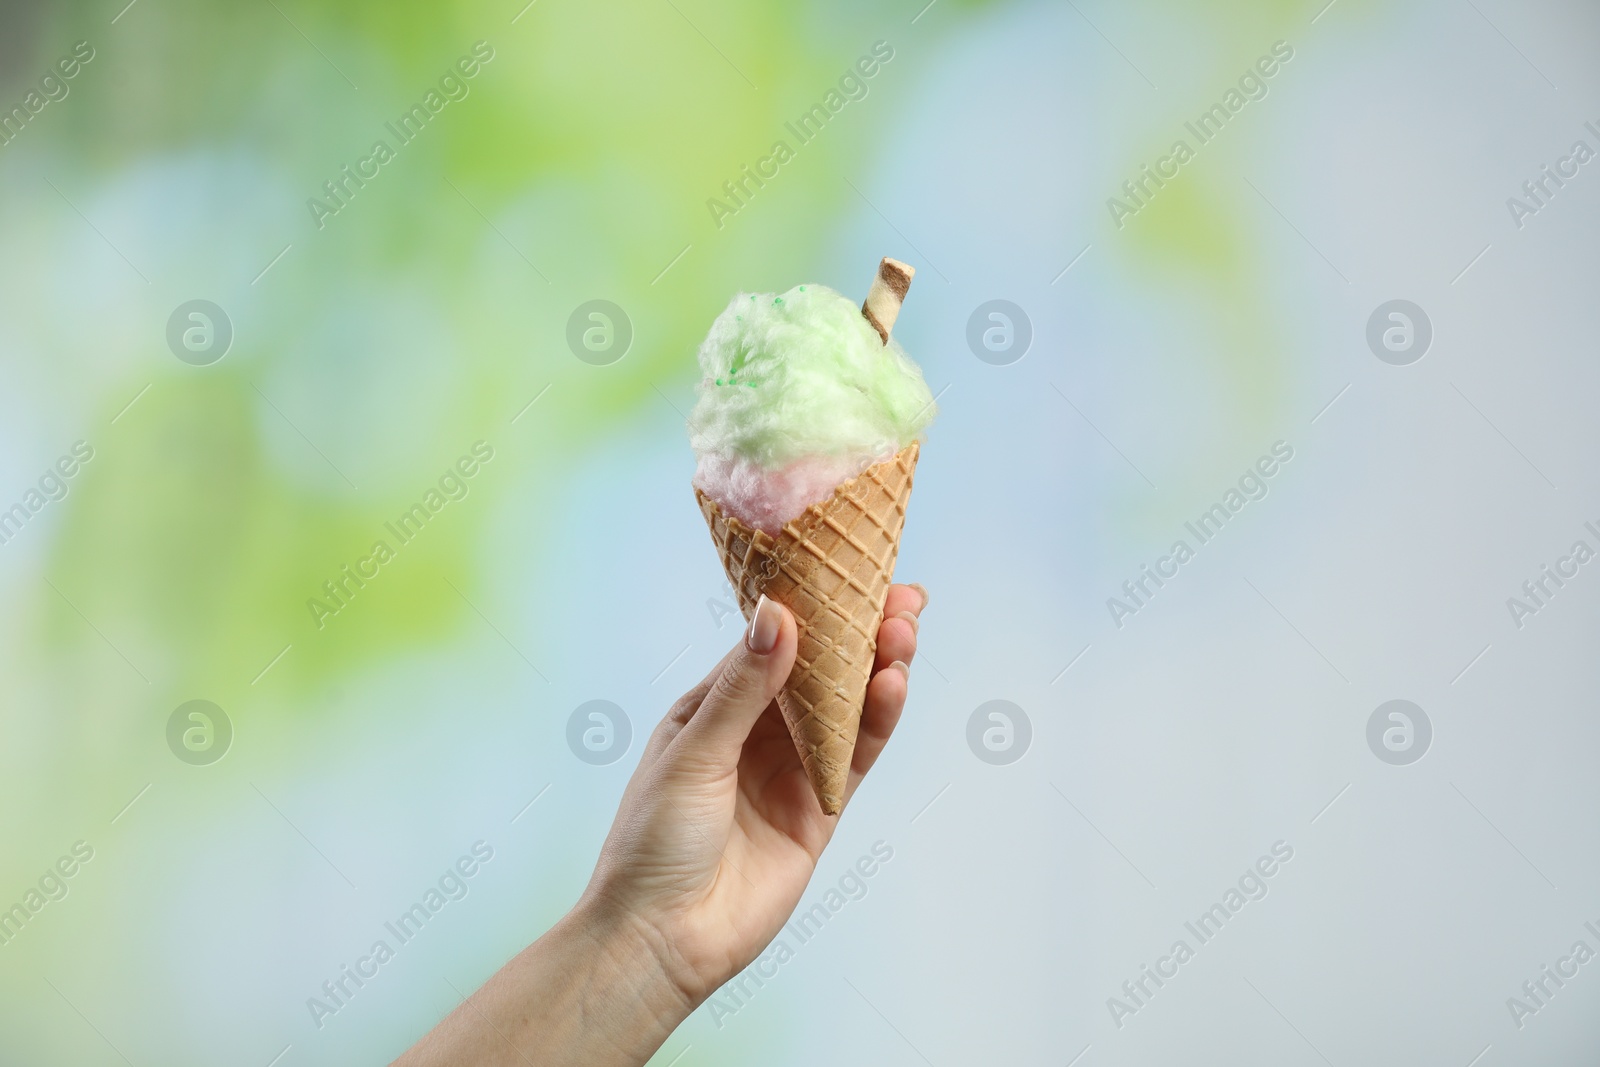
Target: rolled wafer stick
882 305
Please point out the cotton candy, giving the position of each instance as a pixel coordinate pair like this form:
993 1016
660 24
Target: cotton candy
798 395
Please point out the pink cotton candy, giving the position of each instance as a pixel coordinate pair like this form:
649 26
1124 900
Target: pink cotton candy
767 499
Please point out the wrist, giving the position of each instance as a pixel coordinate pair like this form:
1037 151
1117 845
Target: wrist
631 984
594 991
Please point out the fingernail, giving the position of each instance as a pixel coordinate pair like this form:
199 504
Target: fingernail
912 619
918 587
764 626
903 668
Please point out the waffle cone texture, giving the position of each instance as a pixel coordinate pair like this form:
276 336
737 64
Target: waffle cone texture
831 568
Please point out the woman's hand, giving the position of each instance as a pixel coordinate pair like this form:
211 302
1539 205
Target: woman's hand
716 837
719 830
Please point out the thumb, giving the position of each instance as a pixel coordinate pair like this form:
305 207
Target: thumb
752 676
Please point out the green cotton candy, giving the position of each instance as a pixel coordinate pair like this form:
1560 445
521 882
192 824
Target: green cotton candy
803 375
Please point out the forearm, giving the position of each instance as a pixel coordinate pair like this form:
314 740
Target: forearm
590 992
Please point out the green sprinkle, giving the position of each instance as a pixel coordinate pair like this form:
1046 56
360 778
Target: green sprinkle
777 300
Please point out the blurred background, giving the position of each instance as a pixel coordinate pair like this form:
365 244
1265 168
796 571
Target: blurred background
239 341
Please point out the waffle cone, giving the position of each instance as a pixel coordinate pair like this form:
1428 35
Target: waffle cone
831 568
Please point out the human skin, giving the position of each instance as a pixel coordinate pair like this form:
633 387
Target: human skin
716 837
